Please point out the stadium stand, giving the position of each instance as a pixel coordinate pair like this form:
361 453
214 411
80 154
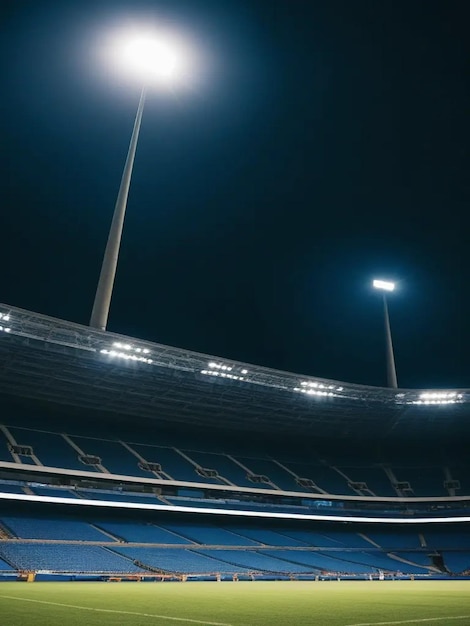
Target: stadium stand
121 544
5 567
66 558
143 533
330 477
50 448
375 478
179 561
395 540
457 562
63 529
7 488
211 535
304 459
447 539
58 492
256 561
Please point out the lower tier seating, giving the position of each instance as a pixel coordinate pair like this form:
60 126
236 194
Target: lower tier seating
65 558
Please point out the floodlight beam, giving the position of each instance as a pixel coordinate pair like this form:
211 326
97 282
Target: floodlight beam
104 291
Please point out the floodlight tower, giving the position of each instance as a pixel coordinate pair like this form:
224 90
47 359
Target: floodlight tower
150 59
387 286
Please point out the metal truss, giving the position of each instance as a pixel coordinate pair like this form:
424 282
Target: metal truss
67 363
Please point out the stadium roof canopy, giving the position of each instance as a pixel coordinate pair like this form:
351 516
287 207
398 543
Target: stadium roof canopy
62 362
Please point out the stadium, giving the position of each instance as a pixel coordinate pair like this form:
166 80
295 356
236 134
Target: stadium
127 461
284 152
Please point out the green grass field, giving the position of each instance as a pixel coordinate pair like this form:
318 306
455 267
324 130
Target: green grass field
235 604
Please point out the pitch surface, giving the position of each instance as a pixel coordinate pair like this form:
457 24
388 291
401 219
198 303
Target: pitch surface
237 604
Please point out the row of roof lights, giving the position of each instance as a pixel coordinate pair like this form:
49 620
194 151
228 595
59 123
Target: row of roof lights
439 397
129 348
454 401
314 392
4 317
225 368
127 356
222 374
305 383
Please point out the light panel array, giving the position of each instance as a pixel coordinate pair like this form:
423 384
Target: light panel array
4 318
318 389
438 397
222 370
128 352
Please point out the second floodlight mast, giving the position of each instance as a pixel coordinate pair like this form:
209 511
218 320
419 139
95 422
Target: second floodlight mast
387 286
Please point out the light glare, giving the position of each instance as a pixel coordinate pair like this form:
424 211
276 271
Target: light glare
150 57
383 284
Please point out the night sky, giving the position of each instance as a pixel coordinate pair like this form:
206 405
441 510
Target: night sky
316 145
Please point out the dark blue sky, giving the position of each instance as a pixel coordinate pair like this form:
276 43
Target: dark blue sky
320 144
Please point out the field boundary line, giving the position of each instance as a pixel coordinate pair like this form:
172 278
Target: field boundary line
91 608
418 620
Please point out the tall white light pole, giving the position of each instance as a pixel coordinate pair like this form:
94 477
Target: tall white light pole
152 59
387 286
104 291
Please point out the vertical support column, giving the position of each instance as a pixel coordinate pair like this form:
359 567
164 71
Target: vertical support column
104 291
391 370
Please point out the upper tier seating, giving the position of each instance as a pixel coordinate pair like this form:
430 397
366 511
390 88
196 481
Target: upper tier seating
374 477
50 448
119 454
424 481
115 457
52 492
6 488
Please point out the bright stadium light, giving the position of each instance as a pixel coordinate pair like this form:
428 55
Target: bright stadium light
439 397
151 57
126 356
151 52
386 285
4 317
221 374
222 370
315 388
128 352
